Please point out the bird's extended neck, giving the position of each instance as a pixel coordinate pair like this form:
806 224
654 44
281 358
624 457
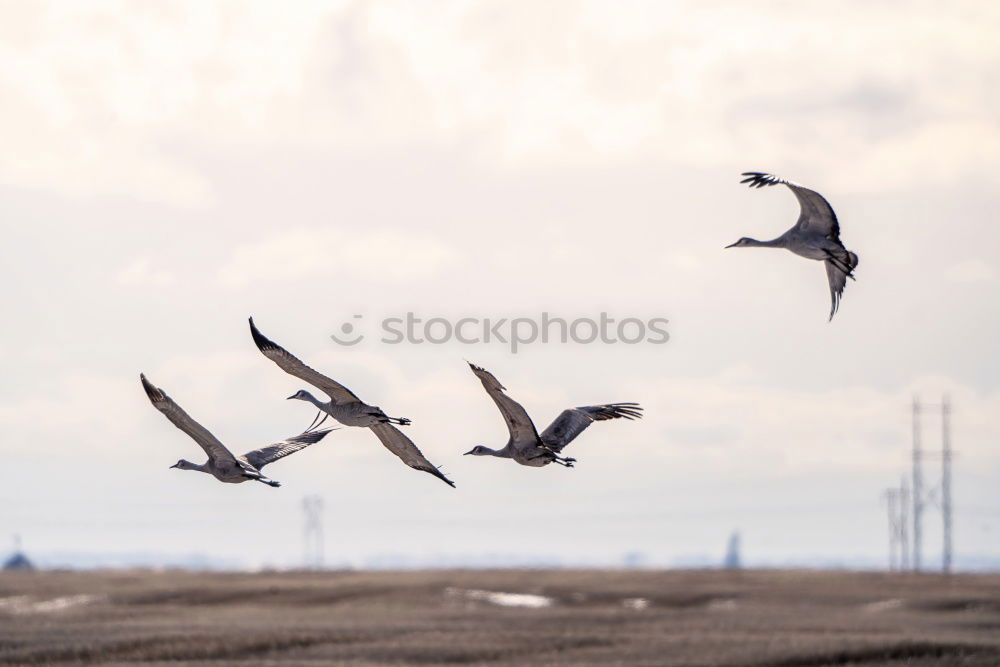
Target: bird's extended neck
200 467
773 243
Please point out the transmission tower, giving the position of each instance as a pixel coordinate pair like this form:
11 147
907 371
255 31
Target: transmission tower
918 488
312 535
732 560
920 496
897 501
891 497
946 483
904 524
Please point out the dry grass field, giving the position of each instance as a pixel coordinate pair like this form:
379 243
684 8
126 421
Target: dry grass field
452 617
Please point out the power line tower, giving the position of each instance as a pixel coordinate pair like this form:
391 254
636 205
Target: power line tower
897 502
946 483
904 524
918 488
732 561
891 497
938 496
312 535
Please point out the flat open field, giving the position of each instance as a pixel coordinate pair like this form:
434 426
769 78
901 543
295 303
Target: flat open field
452 617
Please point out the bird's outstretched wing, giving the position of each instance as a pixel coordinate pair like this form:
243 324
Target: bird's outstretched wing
291 364
400 445
522 429
816 214
837 277
215 450
259 458
574 421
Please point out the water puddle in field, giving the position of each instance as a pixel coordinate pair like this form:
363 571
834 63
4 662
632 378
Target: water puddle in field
882 605
502 599
24 604
722 604
635 604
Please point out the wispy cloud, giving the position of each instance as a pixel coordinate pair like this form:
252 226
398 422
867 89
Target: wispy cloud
141 272
98 100
971 271
381 257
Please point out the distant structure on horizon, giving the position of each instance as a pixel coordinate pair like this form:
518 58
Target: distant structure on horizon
634 560
18 560
921 498
312 534
732 560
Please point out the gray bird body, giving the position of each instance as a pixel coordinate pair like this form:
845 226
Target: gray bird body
355 413
529 448
223 464
345 407
816 235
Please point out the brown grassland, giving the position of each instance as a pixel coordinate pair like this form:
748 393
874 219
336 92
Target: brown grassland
773 618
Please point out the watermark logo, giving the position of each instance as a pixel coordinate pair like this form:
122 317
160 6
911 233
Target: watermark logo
348 336
515 332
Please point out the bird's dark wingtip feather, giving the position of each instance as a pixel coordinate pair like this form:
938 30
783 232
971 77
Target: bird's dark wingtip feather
262 342
758 179
479 369
152 391
440 475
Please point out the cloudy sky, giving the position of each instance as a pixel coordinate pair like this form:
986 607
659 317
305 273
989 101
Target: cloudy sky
170 168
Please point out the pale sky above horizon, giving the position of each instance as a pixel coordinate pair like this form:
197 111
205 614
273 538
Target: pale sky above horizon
171 168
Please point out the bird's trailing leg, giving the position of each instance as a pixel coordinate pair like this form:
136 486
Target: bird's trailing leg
401 421
257 477
564 462
315 424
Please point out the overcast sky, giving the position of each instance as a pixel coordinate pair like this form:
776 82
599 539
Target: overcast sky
170 168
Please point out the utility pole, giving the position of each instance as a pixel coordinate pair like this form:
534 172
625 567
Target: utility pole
897 501
918 488
312 536
920 496
946 483
892 503
904 524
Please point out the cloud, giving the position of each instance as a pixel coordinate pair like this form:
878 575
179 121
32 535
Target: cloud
79 416
96 93
140 272
749 429
100 100
594 81
971 271
381 257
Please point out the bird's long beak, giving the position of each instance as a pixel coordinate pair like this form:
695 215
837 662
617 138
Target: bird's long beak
174 465
289 398
468 452
731 245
